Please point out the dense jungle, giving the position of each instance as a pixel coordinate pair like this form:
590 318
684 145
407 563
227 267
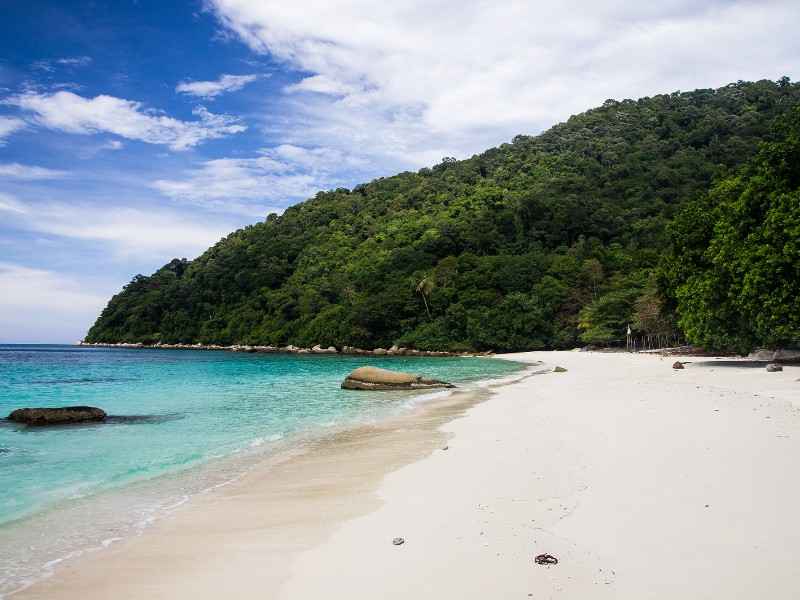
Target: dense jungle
670 217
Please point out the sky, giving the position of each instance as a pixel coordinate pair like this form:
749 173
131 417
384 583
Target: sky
133 132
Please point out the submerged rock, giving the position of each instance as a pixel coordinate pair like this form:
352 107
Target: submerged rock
57 416
373 378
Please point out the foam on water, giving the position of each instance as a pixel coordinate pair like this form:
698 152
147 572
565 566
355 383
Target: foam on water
181 423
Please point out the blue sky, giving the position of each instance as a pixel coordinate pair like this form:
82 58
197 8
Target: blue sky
136 131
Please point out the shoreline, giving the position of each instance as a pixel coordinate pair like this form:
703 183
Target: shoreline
293 495
44 537
642 480
344 351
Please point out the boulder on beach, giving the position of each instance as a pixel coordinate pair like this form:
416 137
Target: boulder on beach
57 416
373 378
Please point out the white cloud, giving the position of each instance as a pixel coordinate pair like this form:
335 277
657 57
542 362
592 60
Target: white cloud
68 112
50 65
120 234
10 204
211 89
416 81
89 252
130 233
79 61
18 171
41 306
8 126
278 177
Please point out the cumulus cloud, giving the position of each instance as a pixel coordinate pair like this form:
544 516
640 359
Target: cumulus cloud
276 178
18 171
212 89
416 81
71 113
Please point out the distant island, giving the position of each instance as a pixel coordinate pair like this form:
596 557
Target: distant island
676 216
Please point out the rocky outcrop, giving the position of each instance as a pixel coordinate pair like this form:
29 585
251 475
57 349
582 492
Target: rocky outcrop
373 378
779 354
350 350
57 416
791 355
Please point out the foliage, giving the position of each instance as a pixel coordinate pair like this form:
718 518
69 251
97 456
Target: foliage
511 249
734 266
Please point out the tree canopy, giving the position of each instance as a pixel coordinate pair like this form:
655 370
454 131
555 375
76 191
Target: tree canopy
734 265
547 241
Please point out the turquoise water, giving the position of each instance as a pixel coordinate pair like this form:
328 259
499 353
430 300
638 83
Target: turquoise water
180 422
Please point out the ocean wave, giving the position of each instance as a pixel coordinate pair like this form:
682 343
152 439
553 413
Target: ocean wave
512 377
421 398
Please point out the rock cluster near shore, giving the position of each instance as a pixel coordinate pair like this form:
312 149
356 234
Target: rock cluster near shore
57 416
781 354
373 378
348 350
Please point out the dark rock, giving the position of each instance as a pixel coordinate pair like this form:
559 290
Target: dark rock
398 541
559 370
57 416
774 367
373 378
677 365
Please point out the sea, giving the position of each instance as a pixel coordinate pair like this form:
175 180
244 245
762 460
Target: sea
181 423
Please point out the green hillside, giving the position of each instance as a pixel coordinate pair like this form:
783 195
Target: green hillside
547 241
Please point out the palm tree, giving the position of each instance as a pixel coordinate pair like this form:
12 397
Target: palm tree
425 286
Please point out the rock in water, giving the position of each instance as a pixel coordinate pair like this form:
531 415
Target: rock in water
373 378
774 367
677 365
57 416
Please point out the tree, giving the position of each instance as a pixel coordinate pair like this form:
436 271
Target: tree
735 260
425 286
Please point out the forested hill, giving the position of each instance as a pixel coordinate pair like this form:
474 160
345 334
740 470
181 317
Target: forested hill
547 241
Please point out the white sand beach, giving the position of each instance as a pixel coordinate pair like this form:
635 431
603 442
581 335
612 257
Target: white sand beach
643 481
